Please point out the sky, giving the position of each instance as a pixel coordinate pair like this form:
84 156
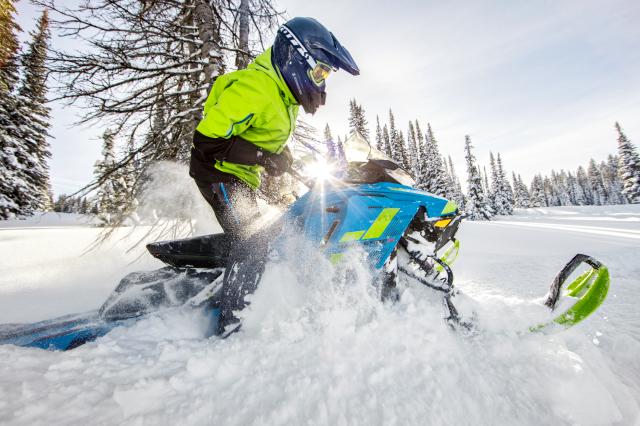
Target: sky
542 82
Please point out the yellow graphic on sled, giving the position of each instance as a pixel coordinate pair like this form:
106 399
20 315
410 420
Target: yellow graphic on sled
376 229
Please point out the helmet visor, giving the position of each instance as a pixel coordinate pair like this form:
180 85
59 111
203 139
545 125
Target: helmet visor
319 73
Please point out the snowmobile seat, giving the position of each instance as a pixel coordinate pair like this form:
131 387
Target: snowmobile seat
205 251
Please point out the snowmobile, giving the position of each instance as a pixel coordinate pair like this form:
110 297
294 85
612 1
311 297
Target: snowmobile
371 203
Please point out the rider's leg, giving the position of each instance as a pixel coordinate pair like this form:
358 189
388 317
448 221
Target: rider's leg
234 205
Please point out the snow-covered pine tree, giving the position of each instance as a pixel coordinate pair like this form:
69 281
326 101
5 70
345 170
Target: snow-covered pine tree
629 167
505 186
585 186
450 184
335 149
328 142
559 181
400 148
412 150
457 196
475 207
393 138
33 116
518 201
611 180
340 151
357 121
421 152
379 139
13 189
517 198
522 199
576 194
525 196
433 177
386 140
497 197
486 188
538 198
595 179
551 196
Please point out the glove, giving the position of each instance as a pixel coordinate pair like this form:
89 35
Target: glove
276 164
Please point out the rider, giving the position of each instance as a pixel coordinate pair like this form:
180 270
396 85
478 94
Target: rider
250 115
248 118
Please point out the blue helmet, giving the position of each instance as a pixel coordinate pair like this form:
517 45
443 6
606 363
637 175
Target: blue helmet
304 53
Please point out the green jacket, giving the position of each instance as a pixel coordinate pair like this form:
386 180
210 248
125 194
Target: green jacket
254 103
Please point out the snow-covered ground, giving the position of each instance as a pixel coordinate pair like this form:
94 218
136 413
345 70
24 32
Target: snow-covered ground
320 351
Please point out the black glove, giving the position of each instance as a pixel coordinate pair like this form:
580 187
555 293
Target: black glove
276 164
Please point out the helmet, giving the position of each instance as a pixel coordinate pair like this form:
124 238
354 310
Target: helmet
304 53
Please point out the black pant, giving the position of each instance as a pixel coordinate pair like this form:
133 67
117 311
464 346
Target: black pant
234 204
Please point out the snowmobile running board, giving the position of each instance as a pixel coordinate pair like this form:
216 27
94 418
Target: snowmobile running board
588 290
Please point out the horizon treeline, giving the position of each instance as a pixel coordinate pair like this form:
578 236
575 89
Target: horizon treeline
614 180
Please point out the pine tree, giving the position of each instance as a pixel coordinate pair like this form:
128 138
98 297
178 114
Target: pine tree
393 139
538 198
328 142
575 191
492 188
505 187
401 151
433 177
33 116
522 198
386 139
611 180
457 194
421 153
412 150
379 139
585 187
595 179
335 149
475 206
525 196
14 191
486 188
357 121
9 46
629 167
560 183
550 195
502 196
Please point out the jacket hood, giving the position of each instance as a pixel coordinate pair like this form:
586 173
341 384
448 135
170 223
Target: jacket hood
263 63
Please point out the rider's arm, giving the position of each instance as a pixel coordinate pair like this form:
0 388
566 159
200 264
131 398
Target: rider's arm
235 110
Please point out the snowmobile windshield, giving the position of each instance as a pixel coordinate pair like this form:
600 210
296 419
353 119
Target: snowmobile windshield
366 164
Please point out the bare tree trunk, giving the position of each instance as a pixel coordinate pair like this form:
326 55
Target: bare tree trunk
242 56
209 33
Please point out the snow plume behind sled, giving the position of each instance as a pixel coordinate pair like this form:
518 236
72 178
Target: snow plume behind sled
316 347
169 194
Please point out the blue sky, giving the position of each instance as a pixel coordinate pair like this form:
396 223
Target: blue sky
542 82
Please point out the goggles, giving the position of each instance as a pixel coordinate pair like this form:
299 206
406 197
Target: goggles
319 73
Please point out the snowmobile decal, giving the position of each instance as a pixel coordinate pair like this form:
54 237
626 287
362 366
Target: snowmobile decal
379 225
376 229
